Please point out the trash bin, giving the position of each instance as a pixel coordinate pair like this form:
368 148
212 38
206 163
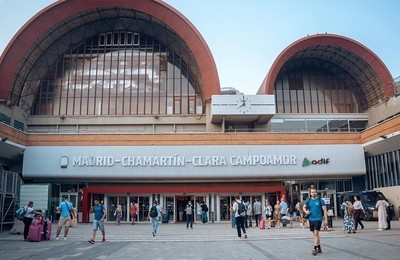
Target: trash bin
165 218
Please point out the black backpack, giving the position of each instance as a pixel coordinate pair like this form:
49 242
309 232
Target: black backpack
153 211
241 209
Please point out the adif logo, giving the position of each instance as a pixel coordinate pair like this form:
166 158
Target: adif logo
307 162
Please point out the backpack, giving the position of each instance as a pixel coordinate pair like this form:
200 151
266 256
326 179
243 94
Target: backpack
241 209
350 209
153 211
20 214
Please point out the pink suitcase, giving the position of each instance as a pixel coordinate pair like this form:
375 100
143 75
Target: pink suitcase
261 224
35 233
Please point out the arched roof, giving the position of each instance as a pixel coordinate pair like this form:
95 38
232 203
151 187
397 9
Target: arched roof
366 69
50 24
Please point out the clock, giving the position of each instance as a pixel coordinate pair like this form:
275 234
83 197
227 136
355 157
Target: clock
243 105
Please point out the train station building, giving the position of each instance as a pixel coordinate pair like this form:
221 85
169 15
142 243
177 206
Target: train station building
121 101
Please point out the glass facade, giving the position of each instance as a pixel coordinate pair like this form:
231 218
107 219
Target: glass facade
383 170
314 90
119 73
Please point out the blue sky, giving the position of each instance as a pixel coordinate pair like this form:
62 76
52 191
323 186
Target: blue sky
245 37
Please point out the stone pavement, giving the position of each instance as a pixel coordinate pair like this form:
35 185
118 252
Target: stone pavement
208 241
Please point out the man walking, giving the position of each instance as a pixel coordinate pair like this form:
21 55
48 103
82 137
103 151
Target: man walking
240 210
154 215
316 209
65 217
98 221
257 208
204 210
189 215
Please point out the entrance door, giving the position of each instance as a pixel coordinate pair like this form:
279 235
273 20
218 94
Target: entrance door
112 204
225 203
169 203
180 205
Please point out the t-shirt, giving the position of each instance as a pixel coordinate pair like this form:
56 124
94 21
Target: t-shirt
98 212
315 209
133 209
65 207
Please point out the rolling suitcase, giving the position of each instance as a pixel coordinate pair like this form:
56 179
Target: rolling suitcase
35 233
261 224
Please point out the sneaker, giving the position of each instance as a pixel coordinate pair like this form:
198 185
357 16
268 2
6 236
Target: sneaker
65 238
379 229
314 252
319 251
103 240
245 235
154 234
57 238
91 241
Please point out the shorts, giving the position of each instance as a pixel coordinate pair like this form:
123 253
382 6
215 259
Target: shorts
268 216
315 225
98 225
64 222
133 216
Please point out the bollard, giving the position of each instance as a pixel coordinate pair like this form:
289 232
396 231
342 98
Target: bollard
212 217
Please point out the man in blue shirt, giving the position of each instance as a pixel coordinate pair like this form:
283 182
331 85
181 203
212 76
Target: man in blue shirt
316 209
65 217
98 221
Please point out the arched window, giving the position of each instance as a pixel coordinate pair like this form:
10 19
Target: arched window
120 73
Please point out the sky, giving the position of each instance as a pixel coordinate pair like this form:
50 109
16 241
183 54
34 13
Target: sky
246 36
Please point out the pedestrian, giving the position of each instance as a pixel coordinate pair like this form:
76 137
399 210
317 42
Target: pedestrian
358 207
257 208
249 214
284 207
100 214
348 219
239 218
277 214
268 213
66 208
204 210
381 205
189 214
181 210
133 212
154 216
312 207
299 207
29 213
232 212
118 215
291 213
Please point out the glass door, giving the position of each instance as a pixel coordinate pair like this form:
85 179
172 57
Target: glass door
169 207
143 206
112 204
197 208
225 203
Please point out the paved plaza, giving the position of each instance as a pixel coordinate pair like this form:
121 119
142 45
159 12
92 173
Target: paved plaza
208 241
